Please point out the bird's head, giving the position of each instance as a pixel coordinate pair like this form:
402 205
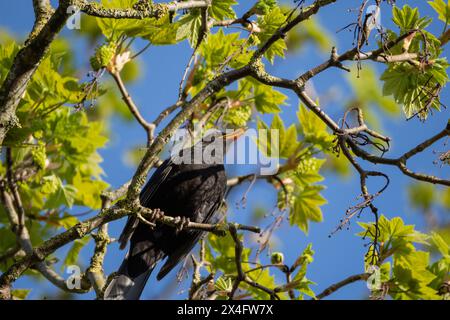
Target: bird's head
220 139
215 145
211 149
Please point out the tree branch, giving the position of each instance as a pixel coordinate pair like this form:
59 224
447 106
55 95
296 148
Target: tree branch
241 275
148 127
281 32
48 24
162 139
335 287
95 271
141 10
41 8
195 292
24 65
122 209
23 239
354 54
13 88
401 161
258 72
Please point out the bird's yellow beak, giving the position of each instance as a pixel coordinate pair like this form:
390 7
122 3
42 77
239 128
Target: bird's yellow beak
234 135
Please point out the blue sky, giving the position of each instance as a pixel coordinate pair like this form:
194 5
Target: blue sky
336 257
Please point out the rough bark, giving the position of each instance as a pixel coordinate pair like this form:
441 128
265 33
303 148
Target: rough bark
25 64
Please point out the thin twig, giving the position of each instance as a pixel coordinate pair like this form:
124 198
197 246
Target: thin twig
148 127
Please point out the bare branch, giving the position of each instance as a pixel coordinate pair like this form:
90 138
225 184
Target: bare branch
281 32
335 287
401 161
354 54
141 10
258 72
148 127
195 292
166 112
241 275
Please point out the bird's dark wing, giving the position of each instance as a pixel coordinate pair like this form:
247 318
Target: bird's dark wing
191 238
149 190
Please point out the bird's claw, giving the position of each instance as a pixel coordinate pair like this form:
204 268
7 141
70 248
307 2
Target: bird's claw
181 223
151 218
156 214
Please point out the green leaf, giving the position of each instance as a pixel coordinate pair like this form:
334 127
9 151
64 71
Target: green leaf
39 155
219 47
8 239
307 207
158 31
307 171
304 287
314 129
65 195
220 253
408 18
264 278
269 24
287 144
442 8
303 261
412 277
221 9
393 232
162 35
238 116
267 99
189 27
20 294
78 150
395 238
440 244
276 141
50 184
7 53
67 221
89 191
301 282
415 88
74 252
263 7
57 193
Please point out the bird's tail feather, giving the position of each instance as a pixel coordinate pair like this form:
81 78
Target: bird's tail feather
132 275
123 287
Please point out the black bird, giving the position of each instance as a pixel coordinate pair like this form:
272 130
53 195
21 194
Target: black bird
193 191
